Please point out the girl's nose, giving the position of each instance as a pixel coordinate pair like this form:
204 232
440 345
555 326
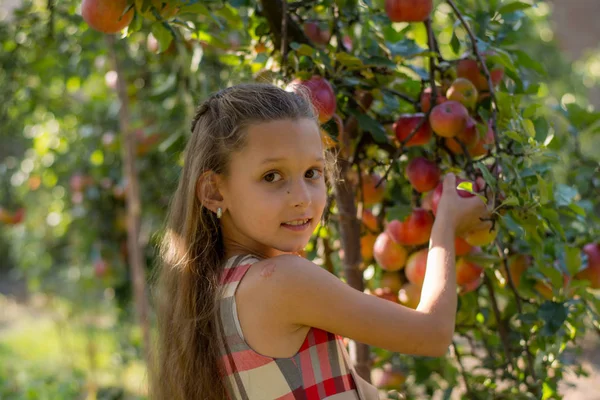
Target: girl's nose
300 195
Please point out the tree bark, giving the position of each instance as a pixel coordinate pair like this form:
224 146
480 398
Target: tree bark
136 260
343 190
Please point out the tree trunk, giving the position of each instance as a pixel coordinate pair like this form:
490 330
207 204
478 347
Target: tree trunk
136 260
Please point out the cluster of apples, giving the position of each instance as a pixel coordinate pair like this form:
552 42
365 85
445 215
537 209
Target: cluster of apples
453 117
400 246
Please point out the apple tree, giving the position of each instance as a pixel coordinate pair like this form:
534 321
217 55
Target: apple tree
407 90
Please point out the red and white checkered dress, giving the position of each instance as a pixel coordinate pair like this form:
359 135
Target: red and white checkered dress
319 370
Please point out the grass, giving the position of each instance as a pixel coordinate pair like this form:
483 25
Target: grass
45 356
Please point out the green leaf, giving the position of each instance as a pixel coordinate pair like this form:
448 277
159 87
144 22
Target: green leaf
549 390
371 125
553 219
544 190
514 136
525 60
572 257
406 48
529 127
487 175
468 187
510 201
195 8
554 316
162 35
455 43
303 49
577 209
512 7
564 195
398 212
348 60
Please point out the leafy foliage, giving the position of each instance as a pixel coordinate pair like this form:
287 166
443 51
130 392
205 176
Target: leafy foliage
61 157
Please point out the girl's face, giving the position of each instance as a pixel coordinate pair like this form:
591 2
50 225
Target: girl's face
275 192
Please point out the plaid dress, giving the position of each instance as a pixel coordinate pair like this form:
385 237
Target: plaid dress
320 369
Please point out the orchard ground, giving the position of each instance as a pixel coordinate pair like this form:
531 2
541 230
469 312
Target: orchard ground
30 329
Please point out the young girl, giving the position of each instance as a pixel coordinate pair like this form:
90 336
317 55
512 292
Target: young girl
240 314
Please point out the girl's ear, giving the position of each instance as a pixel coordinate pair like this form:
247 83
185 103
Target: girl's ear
207 191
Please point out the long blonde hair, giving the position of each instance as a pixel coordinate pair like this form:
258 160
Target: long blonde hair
186 365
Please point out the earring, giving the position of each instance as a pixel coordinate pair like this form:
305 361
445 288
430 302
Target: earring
219 212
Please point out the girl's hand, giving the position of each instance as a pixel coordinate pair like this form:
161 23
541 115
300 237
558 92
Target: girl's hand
464 213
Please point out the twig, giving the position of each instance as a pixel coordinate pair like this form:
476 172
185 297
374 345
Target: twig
488 77
462 370
284 36
501 327
402 96
513 288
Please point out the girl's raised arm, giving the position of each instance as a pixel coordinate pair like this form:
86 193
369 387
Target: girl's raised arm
307 295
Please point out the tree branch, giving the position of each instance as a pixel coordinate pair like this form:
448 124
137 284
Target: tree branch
273 12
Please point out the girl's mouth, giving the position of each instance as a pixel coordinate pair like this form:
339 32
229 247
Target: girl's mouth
297 225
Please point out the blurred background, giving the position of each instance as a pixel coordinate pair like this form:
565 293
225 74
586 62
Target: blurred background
67 316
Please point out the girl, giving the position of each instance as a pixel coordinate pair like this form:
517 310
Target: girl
240 314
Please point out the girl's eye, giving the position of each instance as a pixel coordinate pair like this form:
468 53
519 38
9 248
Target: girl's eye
314 173
271 177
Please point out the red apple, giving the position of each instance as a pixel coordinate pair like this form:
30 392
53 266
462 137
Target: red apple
427 201
449 118
437 194
404 126
480 148
386 294
347 42
423 174
18 216
106 15
322 94
414 230
463 91
461 247
100 268
391 280
592 271
316 33
467 271
471 286
469 68
367 242
390 255
408 10
416 266
517 265
372 194
469 137
426 99
369 220
410 295
546 290
481 237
